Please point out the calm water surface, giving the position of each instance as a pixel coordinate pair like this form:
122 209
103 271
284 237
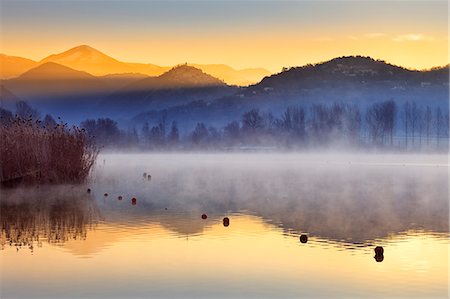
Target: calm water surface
63 242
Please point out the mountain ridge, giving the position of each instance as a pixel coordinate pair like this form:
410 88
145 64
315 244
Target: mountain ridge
88 59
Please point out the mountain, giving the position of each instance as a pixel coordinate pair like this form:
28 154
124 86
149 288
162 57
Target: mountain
51 79
229 75
118 81
182 76
12 66
352 80
88 59
351 70
180 85
7 98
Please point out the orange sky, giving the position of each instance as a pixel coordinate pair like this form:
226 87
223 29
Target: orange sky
241 34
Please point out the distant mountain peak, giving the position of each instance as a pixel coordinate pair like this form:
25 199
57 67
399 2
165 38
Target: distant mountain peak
54 71
84 47
82 53
186 75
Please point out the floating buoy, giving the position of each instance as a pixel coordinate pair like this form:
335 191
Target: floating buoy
144 175
88 190
379 258
304 238
165 209
379 250
226 221
119 197
149 177
133 201
204 216
106 194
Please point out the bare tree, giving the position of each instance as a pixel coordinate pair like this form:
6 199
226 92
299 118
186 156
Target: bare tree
439 124
380 119
174 136
375 123
415 114
232 132
252 121
23 110
406 120
428 119
200 134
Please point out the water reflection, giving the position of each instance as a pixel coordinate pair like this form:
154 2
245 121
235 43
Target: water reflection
294 226
54 215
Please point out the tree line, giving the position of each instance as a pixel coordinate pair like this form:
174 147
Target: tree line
380 125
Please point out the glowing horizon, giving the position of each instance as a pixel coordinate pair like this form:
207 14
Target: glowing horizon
239 34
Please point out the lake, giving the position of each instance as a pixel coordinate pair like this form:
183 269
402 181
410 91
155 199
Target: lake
299 225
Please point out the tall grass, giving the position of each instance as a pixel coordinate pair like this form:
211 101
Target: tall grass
33 153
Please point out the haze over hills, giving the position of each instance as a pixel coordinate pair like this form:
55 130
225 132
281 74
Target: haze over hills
179 86
52 79
229 75
188 94
182 76
337 71
361 81
87 59
13 66
90 60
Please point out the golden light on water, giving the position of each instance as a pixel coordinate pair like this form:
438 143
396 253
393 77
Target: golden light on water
248 255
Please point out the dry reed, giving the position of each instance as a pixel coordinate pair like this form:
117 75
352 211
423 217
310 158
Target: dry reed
33 153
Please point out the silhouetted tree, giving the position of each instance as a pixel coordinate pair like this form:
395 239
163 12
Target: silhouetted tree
380 119
407 121
6 116
49 121
293 122
200 134
439 124
375 123
415 115
104 130
130 138
252 122
428 123
353 123
390 110
156 136
23 110
174 136
231 133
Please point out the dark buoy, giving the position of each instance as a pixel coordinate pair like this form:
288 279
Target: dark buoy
226 221
88 190
165 209
133 201
204 216
304 238
119 197
149 177
379 250
144 174
379 258
106 194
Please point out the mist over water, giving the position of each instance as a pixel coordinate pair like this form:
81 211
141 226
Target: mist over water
338 196
345 203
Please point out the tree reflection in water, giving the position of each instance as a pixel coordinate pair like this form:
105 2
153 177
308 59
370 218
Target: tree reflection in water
53 214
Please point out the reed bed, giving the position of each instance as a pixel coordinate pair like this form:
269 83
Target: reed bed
33 153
